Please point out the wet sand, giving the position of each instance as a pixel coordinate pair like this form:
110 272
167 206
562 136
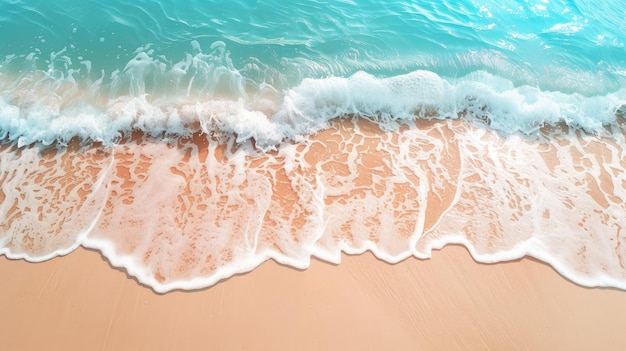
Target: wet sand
449 302
78 302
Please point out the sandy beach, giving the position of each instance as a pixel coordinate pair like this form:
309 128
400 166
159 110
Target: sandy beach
78 302
303 175
449 302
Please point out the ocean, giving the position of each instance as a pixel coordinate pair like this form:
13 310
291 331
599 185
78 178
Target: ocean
189 141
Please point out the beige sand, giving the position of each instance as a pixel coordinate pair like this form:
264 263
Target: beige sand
79 302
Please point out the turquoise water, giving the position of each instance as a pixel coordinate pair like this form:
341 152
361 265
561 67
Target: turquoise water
569 50
333 38
529 42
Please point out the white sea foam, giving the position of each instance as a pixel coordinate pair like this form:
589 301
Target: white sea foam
37 114
185 217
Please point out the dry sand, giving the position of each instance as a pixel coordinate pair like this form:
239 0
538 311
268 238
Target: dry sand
79 302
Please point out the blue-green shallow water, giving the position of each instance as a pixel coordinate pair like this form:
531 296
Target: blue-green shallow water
570 50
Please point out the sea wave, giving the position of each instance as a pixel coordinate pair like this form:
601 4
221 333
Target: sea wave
205 91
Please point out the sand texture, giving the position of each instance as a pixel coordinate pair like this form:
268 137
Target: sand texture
78 302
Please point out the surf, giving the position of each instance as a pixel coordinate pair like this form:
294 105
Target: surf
188 147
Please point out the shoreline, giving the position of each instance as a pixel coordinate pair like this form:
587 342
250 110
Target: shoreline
447 302
186 213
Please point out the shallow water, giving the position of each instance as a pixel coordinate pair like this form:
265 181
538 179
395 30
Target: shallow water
189 142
